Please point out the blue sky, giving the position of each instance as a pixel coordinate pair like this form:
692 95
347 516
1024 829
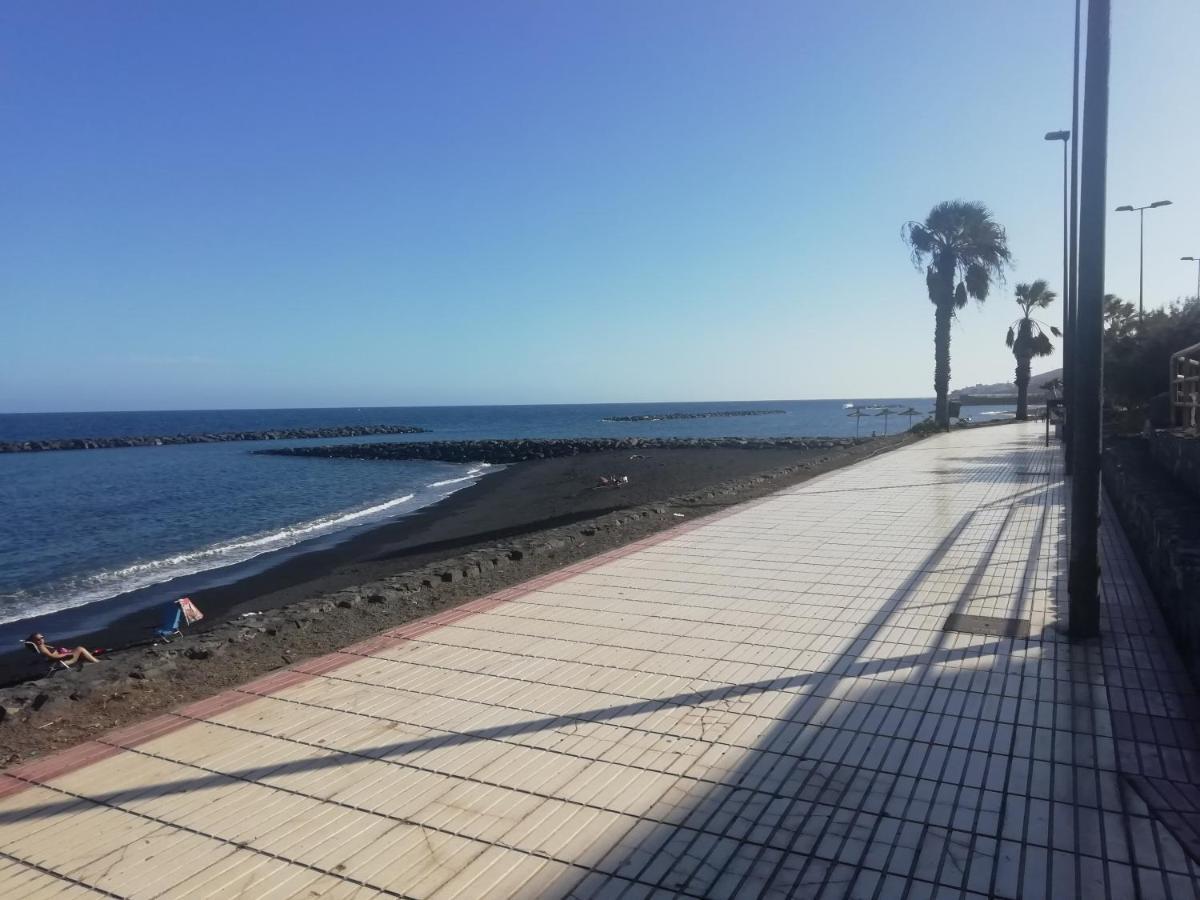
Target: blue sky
220 204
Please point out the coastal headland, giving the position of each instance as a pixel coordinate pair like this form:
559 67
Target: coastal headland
534 516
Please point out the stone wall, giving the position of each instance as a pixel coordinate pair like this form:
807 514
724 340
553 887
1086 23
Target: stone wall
1179 456
1162 523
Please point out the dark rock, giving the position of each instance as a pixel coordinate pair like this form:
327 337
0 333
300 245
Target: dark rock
286 434
723 414
518 450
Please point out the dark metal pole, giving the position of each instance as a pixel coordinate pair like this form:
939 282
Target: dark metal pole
1072 295
1141 257
1066 313
1084 576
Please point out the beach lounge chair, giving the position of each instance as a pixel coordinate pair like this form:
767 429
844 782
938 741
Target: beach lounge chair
177 614
172 622
55 664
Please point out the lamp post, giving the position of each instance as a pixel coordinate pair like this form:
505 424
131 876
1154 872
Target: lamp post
1141 211
1083 579
1196 260
1068 294
1073 296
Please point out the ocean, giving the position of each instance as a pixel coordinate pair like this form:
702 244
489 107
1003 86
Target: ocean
85 526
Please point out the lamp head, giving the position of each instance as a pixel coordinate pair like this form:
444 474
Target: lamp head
1124 209
1058 135
1189 258
1158 203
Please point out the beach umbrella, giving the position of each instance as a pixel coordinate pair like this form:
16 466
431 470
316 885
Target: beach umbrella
910 412
856 415
885 412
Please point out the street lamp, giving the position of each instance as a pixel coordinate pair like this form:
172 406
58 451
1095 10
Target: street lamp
1068 295
1141 211
1197 262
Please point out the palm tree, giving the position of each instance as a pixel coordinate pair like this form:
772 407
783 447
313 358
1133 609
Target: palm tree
1027 337
1120 317
963 250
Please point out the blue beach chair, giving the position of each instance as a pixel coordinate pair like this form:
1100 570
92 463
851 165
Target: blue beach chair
172 622
177 614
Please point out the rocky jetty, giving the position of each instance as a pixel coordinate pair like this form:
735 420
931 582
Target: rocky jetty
278 434
724 414
512 451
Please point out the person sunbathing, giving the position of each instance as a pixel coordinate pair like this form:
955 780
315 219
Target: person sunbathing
60 654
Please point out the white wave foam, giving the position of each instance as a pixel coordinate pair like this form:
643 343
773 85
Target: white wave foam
453 481
82 590
102 585
472 474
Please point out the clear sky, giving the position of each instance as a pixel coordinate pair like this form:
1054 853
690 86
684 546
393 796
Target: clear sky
237 204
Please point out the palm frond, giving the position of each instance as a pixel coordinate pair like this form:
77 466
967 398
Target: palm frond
978 281
1041 345
1009 338
920 240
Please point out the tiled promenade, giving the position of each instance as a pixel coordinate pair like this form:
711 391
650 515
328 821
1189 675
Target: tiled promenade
762 704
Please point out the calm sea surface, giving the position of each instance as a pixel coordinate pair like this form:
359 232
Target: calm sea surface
84 526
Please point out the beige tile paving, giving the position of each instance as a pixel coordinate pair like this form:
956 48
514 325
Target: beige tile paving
765 705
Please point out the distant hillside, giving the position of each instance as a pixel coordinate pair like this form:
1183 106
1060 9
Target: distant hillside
1039 380
1005 388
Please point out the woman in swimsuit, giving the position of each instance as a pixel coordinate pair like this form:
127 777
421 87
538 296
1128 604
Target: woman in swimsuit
70 657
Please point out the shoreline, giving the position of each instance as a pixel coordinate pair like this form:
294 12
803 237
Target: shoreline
515 524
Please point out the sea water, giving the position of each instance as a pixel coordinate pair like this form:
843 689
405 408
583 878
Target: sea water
83 526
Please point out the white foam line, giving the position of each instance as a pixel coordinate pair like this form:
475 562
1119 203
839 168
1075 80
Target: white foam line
103 585
453 481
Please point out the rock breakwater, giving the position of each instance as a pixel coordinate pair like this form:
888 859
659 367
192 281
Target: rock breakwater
512 451
277 434
722 414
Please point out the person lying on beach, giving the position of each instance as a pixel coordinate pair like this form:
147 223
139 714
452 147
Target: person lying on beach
62 654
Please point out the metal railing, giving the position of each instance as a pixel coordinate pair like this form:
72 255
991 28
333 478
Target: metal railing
1185 388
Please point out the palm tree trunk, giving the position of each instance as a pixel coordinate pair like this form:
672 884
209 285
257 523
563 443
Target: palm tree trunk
941 363
1023 387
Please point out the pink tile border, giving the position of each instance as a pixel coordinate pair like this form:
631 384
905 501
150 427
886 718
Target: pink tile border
127 737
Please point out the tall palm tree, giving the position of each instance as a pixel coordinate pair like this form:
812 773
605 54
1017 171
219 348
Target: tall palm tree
1027 336
1120 317
963 250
